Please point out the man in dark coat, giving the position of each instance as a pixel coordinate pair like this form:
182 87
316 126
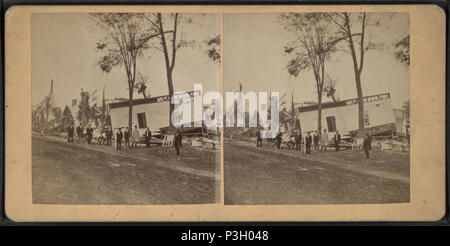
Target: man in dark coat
337 140
366 145
177 141
119 136
89 132
258 138
109 134
316 140
148 137
308 141
79 131
298 141
278 138
70 134
126 135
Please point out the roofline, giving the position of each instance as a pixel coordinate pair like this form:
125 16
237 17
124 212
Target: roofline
342 103
158 99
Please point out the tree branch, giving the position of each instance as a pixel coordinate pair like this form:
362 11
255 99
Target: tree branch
335 22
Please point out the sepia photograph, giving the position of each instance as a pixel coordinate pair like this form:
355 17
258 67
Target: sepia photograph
101 88
342 110
211 113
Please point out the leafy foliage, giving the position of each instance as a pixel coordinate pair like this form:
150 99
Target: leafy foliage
314 44
329 88
401 52
142 85
213 48
125 40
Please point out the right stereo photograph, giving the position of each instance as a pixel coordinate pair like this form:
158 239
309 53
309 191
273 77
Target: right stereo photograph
321 108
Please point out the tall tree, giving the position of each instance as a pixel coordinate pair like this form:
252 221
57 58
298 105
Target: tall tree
125 40
169 27
314 44
357 46
168 42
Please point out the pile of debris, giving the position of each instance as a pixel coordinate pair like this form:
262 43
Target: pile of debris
394 145
205 143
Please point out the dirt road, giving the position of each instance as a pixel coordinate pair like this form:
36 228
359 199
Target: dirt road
75 173
270 176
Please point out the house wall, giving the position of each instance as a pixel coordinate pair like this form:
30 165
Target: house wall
380 112
157 115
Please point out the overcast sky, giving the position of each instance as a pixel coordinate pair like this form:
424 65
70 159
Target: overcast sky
253 56
64 49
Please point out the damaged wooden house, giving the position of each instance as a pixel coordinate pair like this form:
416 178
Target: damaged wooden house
380 118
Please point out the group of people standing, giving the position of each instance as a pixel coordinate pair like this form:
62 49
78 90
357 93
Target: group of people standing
126 135
122 136
320 141
80 133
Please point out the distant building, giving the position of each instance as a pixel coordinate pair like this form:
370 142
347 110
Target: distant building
343 116
152 112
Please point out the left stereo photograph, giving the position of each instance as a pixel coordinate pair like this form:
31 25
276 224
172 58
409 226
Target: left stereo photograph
101 90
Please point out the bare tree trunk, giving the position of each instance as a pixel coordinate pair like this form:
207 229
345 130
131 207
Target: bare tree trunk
319 113
130 110
169 64
358 70
361 128
170 85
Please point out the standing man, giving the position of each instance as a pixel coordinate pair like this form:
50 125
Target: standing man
79 132
89 134
148 137
177 142
324 139
292 141
70 133
366 145
134 136
258 138
108 136
308 141
126 135
337 140
119 136
298 141
316 141
278 138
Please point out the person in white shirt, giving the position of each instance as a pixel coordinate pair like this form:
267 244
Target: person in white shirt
134 136
324 140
